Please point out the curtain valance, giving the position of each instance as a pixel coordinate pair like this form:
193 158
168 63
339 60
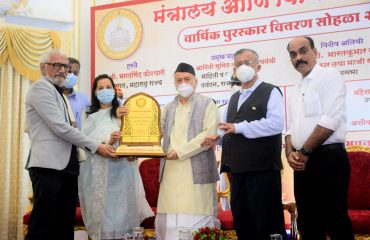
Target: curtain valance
24 48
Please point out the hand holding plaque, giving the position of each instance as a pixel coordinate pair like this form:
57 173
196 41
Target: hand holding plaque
140 128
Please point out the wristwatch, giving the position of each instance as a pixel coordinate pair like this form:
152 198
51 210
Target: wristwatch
305 151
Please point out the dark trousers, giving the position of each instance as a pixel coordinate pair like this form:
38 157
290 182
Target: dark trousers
321 196
256 205
54 206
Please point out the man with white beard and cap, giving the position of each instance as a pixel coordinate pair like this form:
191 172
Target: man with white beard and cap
251 151
187 197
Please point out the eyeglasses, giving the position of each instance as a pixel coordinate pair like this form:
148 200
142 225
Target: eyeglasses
58 66
248 63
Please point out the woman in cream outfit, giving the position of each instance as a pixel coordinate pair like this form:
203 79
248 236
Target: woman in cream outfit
111 191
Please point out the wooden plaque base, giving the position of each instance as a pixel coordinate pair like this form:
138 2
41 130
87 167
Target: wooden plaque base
140 151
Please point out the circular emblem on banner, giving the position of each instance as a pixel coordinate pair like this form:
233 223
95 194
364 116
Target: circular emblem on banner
119 34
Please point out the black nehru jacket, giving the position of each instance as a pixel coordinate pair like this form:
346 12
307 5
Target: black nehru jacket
240 154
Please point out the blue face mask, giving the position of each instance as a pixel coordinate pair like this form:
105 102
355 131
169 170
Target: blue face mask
106 95
71 80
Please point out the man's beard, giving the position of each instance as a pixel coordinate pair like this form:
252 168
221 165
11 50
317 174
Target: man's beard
58 80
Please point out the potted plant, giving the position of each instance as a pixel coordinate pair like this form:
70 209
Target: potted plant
209 233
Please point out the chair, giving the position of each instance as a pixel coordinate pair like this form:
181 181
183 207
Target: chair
149 171
359 191
291 207
225 216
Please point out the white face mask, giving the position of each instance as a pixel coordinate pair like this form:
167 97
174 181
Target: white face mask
234 89
245 73
185 90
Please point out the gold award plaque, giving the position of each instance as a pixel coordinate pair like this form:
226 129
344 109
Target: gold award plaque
141 128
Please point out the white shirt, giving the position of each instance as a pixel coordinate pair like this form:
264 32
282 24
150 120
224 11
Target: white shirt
319 99
271 125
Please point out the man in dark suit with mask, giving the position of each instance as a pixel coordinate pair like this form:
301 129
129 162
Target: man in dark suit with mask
251 151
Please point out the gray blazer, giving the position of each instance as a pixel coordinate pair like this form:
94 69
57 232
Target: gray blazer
49 128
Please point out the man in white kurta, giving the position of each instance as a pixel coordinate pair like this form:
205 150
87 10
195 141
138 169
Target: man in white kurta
183 204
